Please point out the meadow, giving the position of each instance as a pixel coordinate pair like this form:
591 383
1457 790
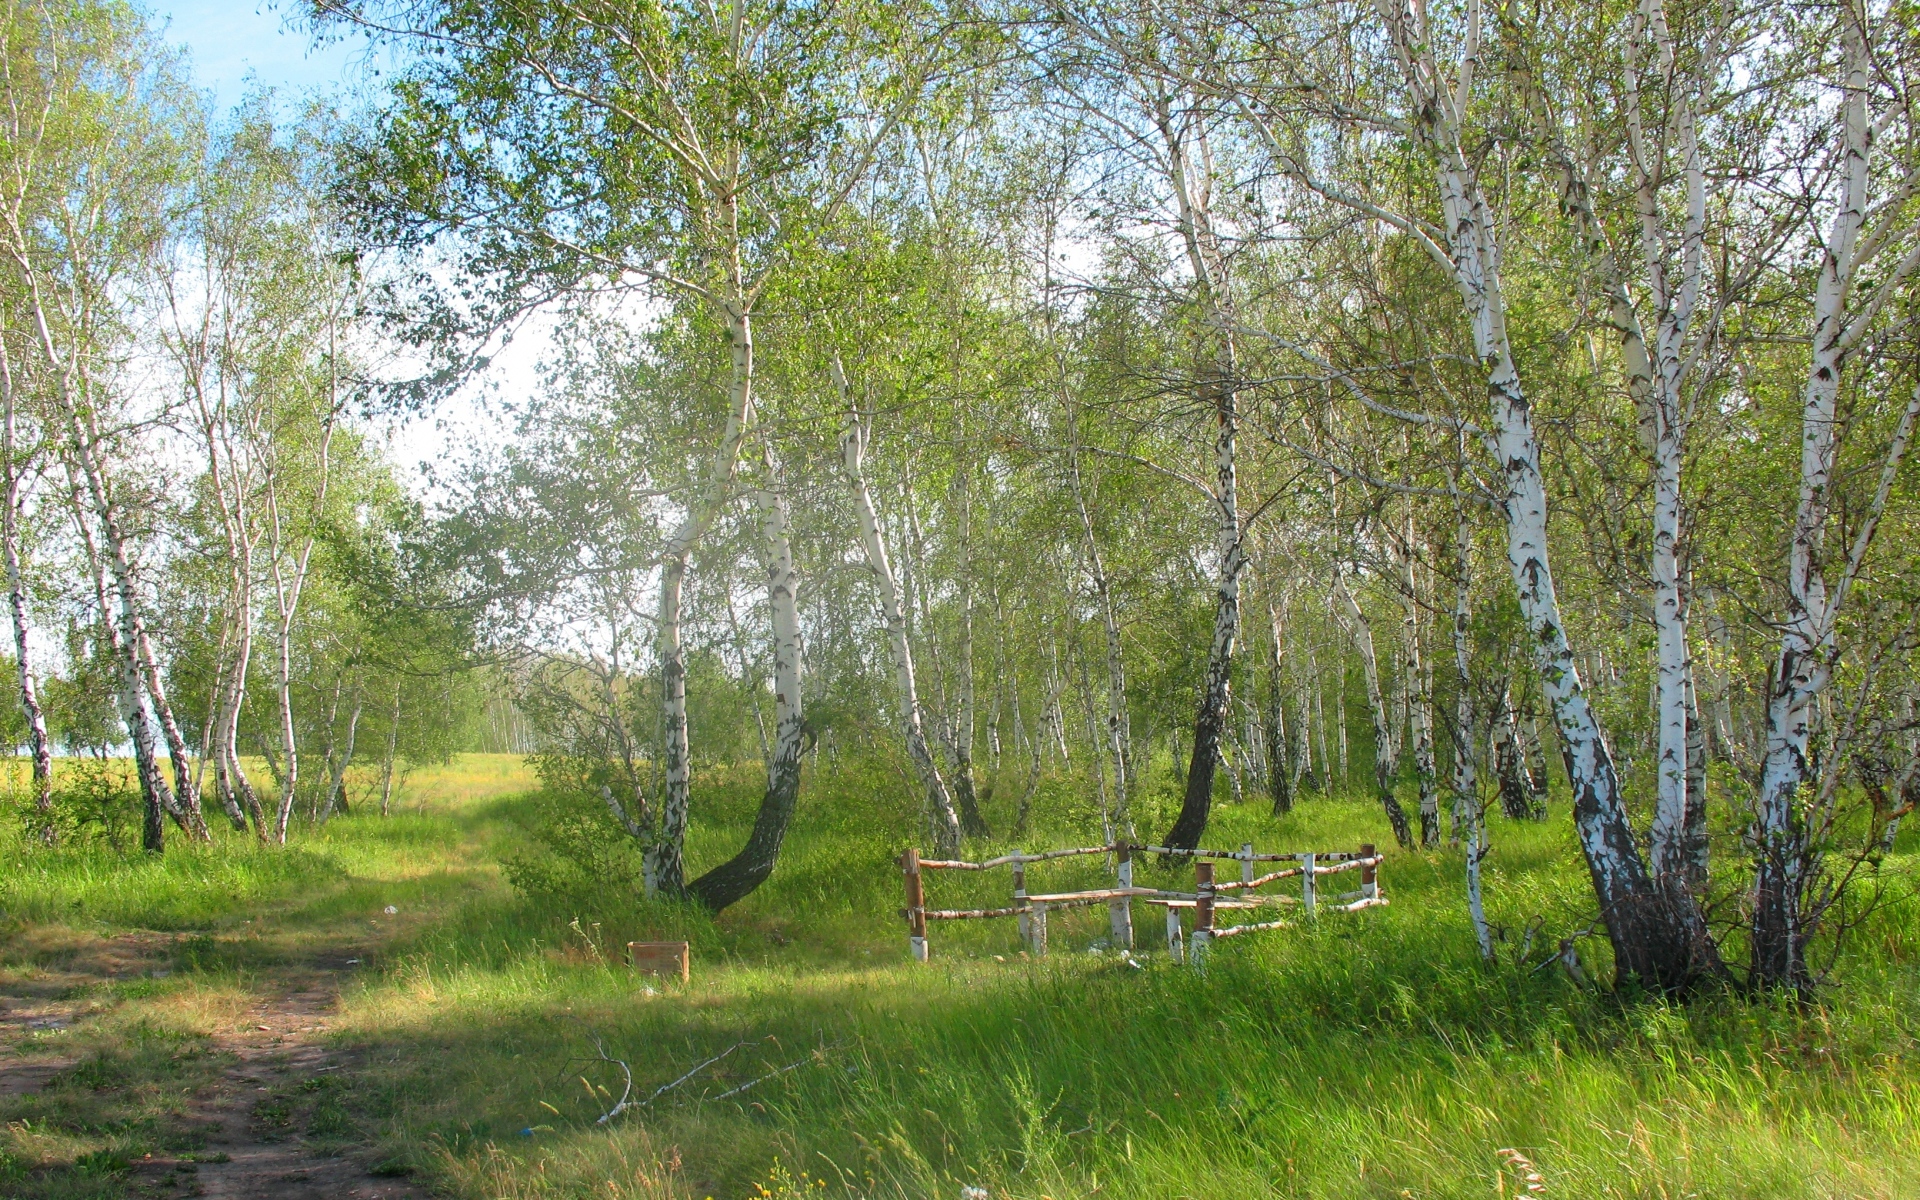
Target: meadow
1362 1055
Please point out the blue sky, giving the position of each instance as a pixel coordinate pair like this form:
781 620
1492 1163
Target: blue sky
229 40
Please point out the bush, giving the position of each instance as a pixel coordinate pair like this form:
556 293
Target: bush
95 803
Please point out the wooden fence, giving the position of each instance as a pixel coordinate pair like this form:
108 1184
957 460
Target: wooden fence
1209 897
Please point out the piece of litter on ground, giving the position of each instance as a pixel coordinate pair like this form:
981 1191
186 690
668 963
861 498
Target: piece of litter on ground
391 910
353 962
647 991
974 1193
264 1028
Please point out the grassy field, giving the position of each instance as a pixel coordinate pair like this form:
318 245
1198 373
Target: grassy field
1369 1055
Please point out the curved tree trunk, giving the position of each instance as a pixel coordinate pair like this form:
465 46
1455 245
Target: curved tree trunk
1218 392
736 878
668 856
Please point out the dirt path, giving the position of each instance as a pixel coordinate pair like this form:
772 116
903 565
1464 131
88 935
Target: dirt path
257 1117
280 1051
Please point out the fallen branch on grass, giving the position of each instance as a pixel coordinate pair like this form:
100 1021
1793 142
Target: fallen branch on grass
664 1088
812 1056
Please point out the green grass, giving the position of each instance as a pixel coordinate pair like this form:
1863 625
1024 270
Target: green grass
1367 1055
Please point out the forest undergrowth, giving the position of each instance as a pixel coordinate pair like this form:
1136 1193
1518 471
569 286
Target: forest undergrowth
1365 1055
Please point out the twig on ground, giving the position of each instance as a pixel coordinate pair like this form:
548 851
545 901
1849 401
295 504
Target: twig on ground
664 1088
812 1056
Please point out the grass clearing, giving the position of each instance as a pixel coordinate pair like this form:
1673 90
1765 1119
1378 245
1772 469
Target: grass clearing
1369 1055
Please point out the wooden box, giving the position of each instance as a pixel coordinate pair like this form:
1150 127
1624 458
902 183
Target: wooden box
661 958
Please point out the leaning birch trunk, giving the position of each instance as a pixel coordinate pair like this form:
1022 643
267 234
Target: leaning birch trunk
244 793
230 495
1386 754
287 593
736 878
186 795
134 643
128 629
38 742
1651 941
1218 391
943 820
133 711
667 858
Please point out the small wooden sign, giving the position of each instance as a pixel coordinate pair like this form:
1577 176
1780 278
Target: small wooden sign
661 958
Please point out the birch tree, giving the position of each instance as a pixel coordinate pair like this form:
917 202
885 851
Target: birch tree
683 152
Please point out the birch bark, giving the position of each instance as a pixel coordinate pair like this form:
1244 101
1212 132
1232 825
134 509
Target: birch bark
1386 751
668 856
1652 942
1218 392
38 742
1469 810
1119 748
942 819
1418 688
736 878
1281 766
1789 852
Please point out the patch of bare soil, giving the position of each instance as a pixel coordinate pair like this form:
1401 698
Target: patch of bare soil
271 1124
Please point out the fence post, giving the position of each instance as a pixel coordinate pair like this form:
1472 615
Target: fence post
1306 883
1176 943
1040 930
1025 918
1202 912
1369 875
1246 864
1120 912
916 905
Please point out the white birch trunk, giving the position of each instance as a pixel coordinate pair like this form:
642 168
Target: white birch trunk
1651 941
1789 857
739 876
1469 810
1119 749
943 820
1218 388
1418 688
393 744
1386 753
39 744
668 857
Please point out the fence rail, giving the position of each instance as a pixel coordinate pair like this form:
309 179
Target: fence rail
1207 898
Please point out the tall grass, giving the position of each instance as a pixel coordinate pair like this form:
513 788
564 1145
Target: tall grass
1364 1055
